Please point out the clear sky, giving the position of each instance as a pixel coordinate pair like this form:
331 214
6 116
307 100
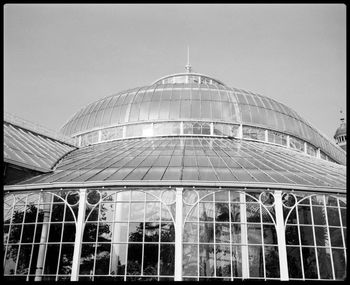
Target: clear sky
59 58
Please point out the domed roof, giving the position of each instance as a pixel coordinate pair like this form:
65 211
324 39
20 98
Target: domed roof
341 130
192 161
195 97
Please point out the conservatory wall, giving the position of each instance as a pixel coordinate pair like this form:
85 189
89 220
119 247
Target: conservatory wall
169 233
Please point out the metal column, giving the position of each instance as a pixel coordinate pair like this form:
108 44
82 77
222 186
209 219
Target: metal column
79 228
281 238
178 235
43 238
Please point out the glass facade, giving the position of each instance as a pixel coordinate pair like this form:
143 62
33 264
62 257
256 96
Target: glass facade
155 233
185 179
195 97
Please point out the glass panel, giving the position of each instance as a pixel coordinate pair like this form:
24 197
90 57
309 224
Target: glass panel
135 232
324 263
190 233
292 235
309 260
304 215
256 266
118 259
206 260
134 259
151 232
222 211
333 216
150 262
336 237
254 234
339 263
120 232
236 233
236 261
190 260
167 232
272 261
66 259
270 236
223 261
321 235
294 262
87 259
306 235
222 232
24 259
206 232
167 259
206 212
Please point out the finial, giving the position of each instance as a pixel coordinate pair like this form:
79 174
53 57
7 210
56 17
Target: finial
188 66
341 115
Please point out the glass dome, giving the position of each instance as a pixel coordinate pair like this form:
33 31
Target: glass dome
196 104
185 179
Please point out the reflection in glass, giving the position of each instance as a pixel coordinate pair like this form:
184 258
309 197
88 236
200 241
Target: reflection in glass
190 233
151 232
135 232
306 235
333 216
309 261
223 261
294 262
87 259
167 259
254 234
321 235
324 263
221 212
304 215
206 232
118 259
255 261
222 232
272 261
150 262
134 259
206 260
339 263
336 237
190 260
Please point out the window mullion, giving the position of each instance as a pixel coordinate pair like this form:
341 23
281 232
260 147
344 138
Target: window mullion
178 235
281 238
79 228
244 236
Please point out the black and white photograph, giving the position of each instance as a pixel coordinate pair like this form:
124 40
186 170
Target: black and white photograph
174 142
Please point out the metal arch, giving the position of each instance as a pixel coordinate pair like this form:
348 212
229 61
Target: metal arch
187 74
123 190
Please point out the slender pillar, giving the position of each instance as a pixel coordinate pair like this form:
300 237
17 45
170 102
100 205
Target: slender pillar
266 136
318 153
240 132
181 128
244 237
43 238
281 238
79 228
178 235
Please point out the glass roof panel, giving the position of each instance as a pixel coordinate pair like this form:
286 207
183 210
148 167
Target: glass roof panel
219 159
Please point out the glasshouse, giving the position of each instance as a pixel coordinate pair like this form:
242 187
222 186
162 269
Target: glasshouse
183 179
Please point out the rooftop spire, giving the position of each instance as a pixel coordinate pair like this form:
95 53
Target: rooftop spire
341 116
188 66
